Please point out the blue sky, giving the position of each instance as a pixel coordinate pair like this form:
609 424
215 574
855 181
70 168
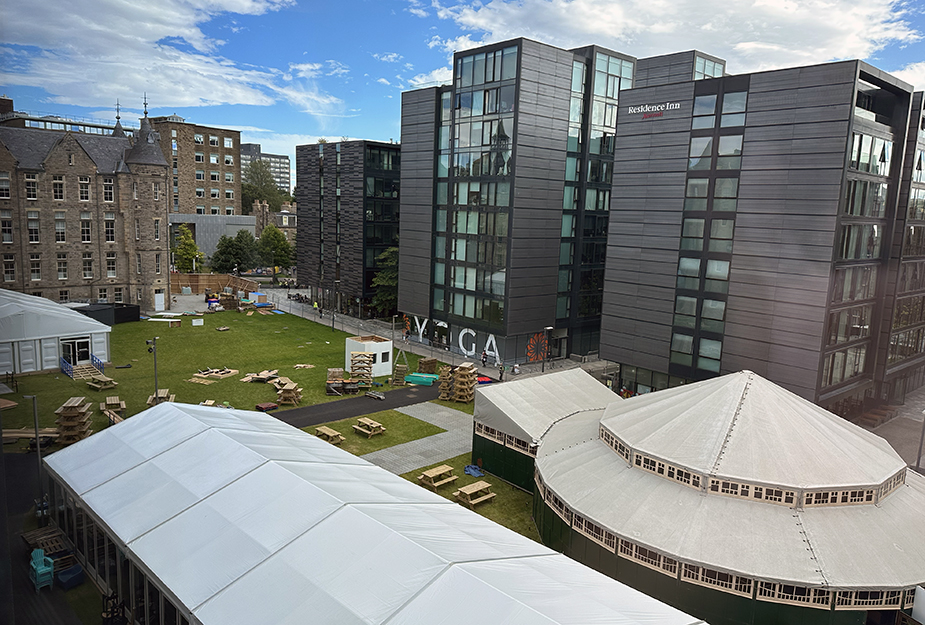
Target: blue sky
286 72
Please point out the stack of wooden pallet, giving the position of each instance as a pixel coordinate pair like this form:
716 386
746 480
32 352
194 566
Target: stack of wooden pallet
398 375
427 365
73 420
465 379
446 383
361 368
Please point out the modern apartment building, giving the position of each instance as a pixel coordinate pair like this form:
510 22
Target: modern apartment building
506 189
205 170
348 198
84 216
774 222
278 164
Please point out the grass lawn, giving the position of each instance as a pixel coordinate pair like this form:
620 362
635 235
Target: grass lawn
252 344
399 428
468 408
512 507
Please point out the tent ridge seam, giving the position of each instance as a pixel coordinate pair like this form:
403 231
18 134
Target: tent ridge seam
571 414
732 424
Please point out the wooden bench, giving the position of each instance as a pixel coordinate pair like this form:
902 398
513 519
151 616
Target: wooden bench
112 415
474 494
438 476
368 427
331 435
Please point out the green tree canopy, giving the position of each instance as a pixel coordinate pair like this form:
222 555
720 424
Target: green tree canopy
274 249
186 252
240 252
386 282
257 183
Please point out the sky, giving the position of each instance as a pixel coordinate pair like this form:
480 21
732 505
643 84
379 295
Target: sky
288 72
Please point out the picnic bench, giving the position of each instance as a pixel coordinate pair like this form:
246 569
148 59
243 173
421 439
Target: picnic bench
163 395
332 436
114 404
17 433
438 476
101 382
289 394
474 494
368 427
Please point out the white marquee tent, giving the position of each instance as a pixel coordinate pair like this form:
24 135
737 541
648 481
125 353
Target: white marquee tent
33 331
241 519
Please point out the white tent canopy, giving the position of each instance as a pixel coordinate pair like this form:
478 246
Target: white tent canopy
32 327
526 408
242 519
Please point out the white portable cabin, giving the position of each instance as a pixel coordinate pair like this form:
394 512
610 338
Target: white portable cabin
381 347
36 332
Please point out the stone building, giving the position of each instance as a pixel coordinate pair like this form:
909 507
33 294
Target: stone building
83 217
284 219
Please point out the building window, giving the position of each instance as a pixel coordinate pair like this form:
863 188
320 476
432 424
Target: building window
109 226
107 189
229 142
229 210
62 266
682 348
229 159
6 225
64 297
32 187
198 139
200 210
200 192
102 295
229 176
32 225
859 241
734 109
215 210
213 140
110 264
214 176
60 227
157 263
705 68
88 265
35 266
214 194
229 194
117 294
704 112
200 174
134 190
138 263
213 158
83 184
85 227
9 268
4 185
843 365
137 230
200 157
157 229
57 186
157 191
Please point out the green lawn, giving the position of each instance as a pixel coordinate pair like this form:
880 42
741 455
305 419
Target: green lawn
512 507
252 344
399 428
468 408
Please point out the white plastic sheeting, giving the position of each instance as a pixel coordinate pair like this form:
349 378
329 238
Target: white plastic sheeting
526 408
847 547
242 519
744 427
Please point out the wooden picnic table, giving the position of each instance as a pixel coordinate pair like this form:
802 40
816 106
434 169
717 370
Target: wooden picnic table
163 395
73 402
331 435
474 493
438 476
114 404
101 382
368 427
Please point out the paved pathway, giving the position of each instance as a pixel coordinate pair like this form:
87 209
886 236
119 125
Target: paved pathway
412 455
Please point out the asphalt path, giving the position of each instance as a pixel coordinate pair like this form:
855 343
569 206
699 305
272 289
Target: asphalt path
358 406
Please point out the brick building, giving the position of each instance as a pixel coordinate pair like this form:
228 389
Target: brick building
83 217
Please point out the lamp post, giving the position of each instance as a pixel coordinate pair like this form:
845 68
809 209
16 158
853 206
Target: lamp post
38 449
918 457
394 317
336 307
547 330
152 349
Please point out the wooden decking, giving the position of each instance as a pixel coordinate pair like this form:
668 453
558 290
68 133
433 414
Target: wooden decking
84 372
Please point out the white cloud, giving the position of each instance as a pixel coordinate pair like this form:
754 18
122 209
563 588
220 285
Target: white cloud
129 49
416 7
439 76
751 35
388 57
913 74
383 81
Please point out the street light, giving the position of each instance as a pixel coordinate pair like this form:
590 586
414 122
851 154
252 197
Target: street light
547 330
394 317
153 350
38 448
336 307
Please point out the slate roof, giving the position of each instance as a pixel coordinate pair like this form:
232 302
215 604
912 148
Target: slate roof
147 149
31 146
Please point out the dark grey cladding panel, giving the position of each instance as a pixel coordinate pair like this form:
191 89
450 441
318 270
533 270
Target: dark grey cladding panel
826 176
627 155
809 287
778 250
809 221
816 130
742 354
807 98
672 121
800 117
651 167
663 184
792 331
763 146
811 76
777 236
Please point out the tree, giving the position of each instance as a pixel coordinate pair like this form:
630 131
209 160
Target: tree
274 249
386 282
258 183
187 253
239 252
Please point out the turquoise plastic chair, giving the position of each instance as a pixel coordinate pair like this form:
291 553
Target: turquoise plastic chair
41 570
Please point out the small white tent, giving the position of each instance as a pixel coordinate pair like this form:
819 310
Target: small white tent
36 332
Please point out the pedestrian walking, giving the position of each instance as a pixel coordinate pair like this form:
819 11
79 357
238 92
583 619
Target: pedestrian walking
484 358
501 373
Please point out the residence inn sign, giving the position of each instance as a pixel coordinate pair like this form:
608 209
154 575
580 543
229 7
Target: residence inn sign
653 110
